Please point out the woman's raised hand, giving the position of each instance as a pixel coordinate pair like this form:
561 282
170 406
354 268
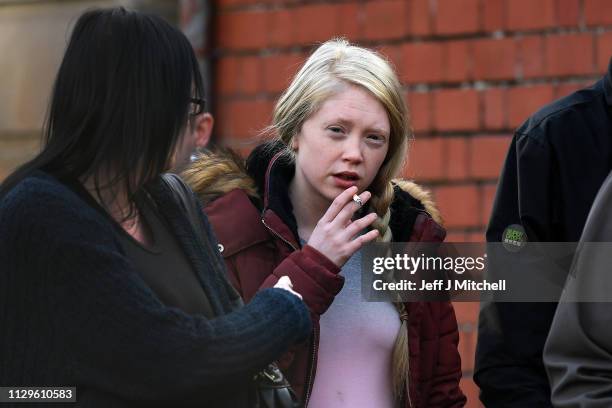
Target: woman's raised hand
336 235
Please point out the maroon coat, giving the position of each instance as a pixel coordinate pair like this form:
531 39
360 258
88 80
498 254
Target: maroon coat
259 244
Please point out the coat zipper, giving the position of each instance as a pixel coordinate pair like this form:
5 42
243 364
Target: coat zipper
278 235
309 382
315 334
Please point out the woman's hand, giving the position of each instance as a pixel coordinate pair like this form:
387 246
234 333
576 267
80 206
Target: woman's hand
336 235
284 282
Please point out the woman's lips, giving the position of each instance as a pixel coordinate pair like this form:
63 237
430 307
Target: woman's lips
344 182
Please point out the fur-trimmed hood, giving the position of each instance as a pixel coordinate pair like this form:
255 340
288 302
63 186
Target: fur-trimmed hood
214 175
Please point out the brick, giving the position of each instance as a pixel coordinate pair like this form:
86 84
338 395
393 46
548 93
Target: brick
569 55
565 89
280 69
493 18
230 3
419 105
467 349
471 391
251 75
385 19
530 14
488 197
494 104
568 12
425 159
455 109
458 64
222 118
494 59
456 154
242 30
523 101
487 154
454 236
227 70
307 31
350 21
422 62
458 205
604 51
420 17
467 312
456 16
281 29
597 12
246 118
531 56
393 54
475 236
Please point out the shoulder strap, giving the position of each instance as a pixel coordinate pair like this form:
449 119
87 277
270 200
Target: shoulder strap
185 197
193 210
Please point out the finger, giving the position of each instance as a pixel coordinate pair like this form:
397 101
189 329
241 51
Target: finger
346 214
361 240
286 281
360 224
338 204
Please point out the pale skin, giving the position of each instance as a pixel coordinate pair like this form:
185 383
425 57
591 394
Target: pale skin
348 136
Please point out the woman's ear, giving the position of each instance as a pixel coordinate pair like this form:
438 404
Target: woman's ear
203 128
294 143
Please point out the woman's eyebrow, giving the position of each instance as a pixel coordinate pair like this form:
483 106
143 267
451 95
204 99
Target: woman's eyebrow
349 123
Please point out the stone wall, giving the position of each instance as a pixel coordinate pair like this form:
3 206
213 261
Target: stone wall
33 36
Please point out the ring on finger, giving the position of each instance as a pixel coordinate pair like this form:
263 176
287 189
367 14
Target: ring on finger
358 200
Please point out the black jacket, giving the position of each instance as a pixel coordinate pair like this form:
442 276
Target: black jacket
75 312
557 162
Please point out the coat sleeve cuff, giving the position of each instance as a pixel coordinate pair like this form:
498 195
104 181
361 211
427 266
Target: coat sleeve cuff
321 259
314 277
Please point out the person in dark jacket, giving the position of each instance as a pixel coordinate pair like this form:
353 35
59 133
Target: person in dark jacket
340 128
106 283
556 163
578 351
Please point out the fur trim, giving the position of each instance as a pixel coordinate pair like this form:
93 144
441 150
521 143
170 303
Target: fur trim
213 175
423 196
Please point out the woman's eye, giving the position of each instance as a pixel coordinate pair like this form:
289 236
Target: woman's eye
335 129
376 138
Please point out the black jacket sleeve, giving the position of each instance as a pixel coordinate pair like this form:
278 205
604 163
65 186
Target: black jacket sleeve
509 368
105 326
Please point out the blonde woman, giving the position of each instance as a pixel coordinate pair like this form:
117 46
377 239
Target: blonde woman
341 128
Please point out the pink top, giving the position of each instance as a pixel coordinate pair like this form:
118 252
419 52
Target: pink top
354 366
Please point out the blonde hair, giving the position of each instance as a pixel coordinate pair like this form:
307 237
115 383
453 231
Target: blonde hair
333 65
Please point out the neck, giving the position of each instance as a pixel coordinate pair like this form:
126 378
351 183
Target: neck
308 206
114 201
118 206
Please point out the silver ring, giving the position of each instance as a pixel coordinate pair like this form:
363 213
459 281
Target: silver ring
358 200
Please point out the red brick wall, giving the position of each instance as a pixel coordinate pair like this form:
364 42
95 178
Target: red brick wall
473 71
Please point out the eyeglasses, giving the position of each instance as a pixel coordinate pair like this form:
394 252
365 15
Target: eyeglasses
196 106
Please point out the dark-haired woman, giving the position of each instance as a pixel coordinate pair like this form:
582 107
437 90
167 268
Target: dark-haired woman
106 283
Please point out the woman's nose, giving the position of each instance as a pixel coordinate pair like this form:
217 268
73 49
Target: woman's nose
352 150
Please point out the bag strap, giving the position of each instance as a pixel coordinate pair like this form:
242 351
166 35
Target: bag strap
193 211
185 197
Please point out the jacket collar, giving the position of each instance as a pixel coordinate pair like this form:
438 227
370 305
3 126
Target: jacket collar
272 171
